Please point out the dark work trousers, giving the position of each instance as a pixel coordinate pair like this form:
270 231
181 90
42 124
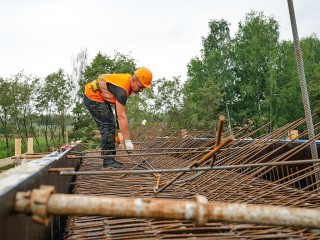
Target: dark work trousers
104 118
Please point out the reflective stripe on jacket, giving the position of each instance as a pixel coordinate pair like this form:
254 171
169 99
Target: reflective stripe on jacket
97 90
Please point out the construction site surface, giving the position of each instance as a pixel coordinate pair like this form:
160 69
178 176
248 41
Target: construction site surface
261 188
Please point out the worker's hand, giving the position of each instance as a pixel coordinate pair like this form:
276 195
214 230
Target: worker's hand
129 146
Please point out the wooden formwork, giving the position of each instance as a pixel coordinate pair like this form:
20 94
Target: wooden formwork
29 176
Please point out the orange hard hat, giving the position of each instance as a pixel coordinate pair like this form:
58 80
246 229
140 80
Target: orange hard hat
144 75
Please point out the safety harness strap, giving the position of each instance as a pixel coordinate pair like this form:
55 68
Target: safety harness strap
95 86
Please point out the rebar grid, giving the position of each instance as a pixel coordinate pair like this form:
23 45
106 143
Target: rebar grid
291 185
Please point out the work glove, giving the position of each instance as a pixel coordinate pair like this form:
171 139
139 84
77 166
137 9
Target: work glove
129 146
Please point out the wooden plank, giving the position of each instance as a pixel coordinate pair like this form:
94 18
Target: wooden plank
29 156
17 147
293 134
30 146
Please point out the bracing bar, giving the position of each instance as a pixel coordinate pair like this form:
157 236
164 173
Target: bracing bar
43 202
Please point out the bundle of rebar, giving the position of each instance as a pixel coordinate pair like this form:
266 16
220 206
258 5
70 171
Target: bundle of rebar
273 184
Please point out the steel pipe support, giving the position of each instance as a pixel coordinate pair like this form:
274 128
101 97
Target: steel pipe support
44 202
35 202
184 170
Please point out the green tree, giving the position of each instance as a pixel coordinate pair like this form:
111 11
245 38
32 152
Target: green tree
23 107
285 96
103 63
164 101
311 56
7 101
53 101
255 48
209 78
81 117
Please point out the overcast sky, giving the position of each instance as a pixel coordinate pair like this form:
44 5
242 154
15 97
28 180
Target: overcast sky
41 36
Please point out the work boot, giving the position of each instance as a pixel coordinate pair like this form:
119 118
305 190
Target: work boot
111 163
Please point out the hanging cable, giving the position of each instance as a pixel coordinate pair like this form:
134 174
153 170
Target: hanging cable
303 82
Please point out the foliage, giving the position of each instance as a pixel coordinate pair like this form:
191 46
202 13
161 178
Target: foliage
164 102
15 106
103 64
251 76
255 47
311 56
80 117
208 78
53 99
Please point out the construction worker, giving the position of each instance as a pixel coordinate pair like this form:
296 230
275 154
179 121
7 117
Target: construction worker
114 89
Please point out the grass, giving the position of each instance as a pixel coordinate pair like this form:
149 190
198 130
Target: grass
38 148
41 147
3 149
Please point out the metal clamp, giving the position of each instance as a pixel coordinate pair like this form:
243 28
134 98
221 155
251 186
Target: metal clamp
35 202
201 217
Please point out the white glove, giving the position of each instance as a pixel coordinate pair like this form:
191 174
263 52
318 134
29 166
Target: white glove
129 146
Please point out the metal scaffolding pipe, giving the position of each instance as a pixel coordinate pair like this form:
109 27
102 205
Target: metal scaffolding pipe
184 170
43 203
141 150
138 154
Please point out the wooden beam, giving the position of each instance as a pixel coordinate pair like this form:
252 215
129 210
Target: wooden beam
17 147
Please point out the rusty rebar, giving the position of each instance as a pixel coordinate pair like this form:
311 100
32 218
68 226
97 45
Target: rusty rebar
71 172
139 150
284 185
45 203
198 163
139 154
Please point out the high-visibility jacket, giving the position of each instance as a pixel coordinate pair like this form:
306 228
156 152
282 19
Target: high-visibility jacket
97 90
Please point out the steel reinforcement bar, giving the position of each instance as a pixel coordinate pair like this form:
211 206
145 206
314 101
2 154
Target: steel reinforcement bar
43 203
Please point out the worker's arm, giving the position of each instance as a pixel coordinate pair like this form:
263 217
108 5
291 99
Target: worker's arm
122 120
124 126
